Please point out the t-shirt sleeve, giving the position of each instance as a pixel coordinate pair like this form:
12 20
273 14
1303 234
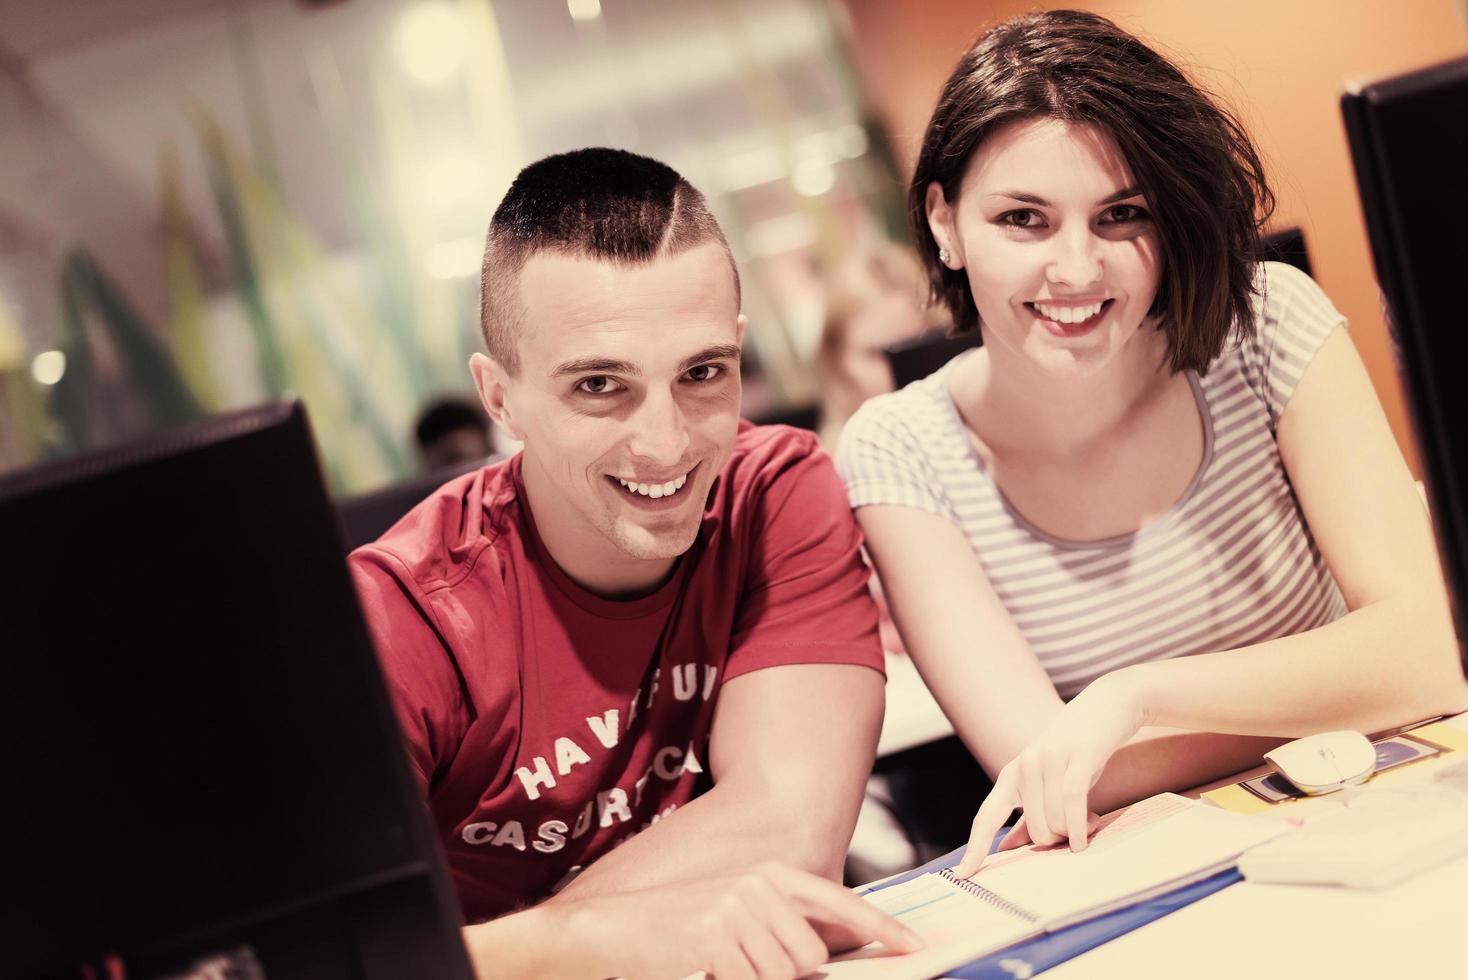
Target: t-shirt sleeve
1294 319
882 462
805 597
416 662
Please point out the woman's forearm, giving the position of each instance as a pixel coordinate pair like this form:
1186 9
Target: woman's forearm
1378 667
1168 760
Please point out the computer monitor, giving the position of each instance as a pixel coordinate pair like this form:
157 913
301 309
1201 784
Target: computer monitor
1409 144
1287 246
914 359
803 416
200 752
366 517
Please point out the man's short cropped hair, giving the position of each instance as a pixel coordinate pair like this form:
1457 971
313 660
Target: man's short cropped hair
602 203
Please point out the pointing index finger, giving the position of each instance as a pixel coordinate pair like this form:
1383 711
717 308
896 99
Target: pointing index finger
827 902
991 816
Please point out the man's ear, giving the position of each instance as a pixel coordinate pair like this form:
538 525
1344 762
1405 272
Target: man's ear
491 378
941 224
739 324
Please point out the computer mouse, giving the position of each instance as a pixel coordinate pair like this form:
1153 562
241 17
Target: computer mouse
1326 762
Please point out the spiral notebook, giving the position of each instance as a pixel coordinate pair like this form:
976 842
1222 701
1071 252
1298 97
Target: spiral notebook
1148 849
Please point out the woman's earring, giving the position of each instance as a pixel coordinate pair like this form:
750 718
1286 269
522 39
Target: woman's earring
943 256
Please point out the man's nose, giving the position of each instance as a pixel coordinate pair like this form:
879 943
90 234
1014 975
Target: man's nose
660 432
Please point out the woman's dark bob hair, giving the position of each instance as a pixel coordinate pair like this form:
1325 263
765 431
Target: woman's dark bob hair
1202 177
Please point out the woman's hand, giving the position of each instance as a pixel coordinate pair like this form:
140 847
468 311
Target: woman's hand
1052 778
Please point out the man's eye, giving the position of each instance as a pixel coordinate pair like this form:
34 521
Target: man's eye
1022 218
705 372
597 385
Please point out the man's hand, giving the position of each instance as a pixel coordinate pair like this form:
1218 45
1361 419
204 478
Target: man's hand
766 923
1051 780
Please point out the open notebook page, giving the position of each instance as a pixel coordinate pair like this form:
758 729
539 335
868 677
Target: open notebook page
958 926
1147 849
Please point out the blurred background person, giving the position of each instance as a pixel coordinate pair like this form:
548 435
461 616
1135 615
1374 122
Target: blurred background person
917 800
450 431
876 297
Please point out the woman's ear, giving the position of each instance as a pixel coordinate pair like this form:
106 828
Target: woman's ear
492 381
941 226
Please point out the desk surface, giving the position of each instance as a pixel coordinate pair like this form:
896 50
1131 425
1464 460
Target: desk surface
1415 929
1418 927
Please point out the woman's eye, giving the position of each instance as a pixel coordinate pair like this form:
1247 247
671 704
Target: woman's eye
1023 218
704 372
1121 213
597 385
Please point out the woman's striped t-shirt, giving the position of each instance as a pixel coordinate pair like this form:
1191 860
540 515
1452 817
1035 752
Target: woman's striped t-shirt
1230 564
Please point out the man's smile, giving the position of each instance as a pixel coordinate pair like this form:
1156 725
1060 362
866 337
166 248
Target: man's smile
654 493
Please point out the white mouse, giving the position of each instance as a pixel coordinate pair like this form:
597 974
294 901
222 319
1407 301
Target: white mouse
1326 762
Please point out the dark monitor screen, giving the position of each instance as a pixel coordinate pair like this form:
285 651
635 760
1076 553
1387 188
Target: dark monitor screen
804 416
201 753
912 360
367 517
1287 246
1409 143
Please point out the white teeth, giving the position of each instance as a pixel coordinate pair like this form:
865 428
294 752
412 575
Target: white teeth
656 490
1068 314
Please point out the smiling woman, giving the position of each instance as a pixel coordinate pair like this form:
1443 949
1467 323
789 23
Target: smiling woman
1049 205
1162 494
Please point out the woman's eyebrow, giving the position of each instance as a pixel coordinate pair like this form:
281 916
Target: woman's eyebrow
1022 196
1028 198
1122 195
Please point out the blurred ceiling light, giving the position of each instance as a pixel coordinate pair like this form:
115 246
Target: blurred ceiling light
451 180
820 145
48 367
584 9
429 40
812 178
776 235
751 169
851 140
457 259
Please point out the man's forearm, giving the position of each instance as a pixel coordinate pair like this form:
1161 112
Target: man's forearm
519 945
723 830
788 781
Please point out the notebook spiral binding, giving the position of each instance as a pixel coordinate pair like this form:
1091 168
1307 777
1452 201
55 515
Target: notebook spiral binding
991 898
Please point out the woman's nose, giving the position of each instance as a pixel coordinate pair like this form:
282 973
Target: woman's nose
1076 260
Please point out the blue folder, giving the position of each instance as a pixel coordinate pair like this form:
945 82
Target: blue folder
1036 955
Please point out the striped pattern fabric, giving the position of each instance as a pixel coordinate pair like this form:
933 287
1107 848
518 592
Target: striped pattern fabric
1230 564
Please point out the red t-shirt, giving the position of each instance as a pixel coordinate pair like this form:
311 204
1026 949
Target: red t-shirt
547 724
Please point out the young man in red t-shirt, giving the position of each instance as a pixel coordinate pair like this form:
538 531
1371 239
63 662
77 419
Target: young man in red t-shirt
642 651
